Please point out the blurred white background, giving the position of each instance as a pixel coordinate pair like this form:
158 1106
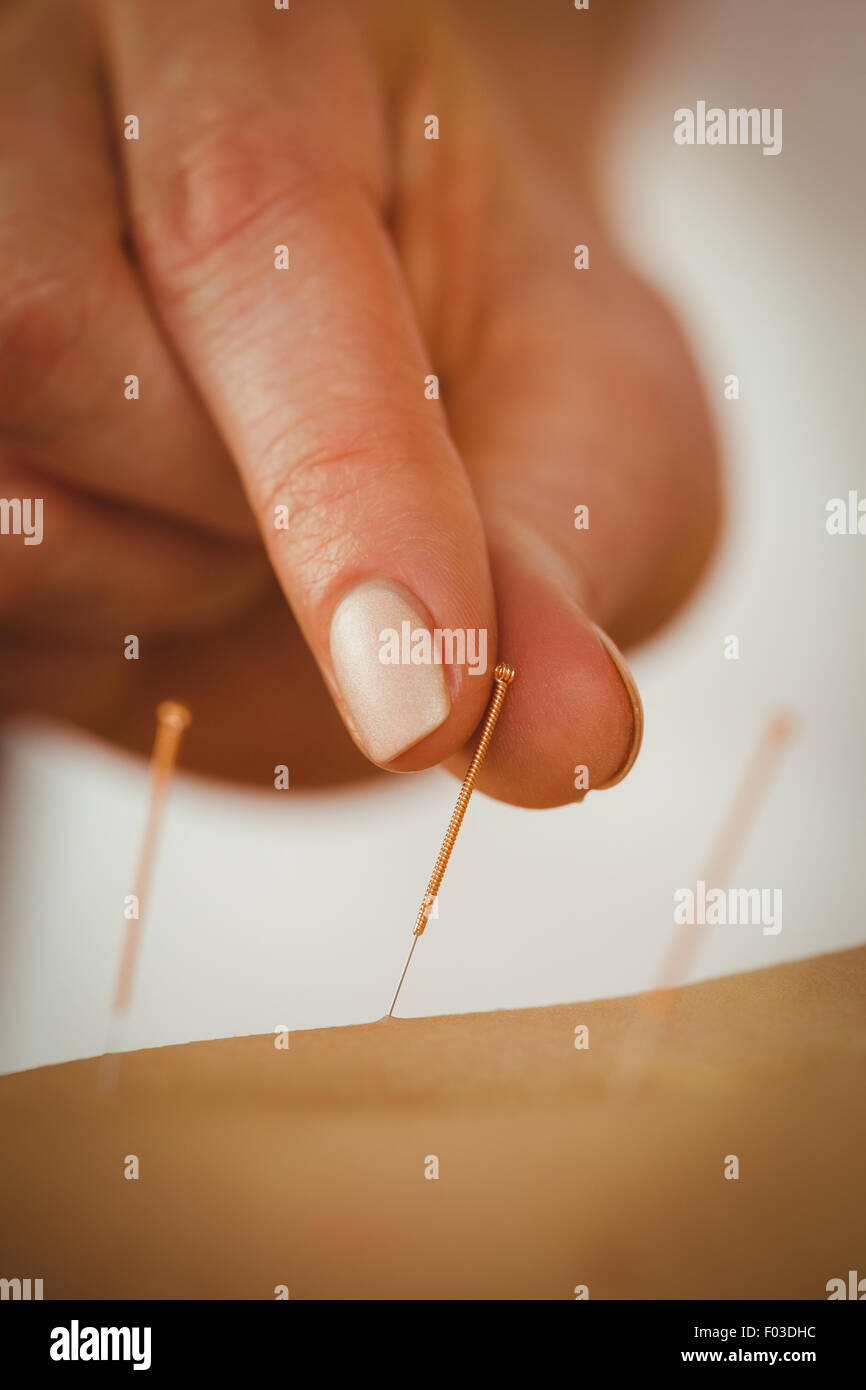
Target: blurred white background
763 257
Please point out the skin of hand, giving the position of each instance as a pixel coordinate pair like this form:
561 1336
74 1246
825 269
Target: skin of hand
306 387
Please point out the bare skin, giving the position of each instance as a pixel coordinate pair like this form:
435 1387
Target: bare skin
261 1167
155 257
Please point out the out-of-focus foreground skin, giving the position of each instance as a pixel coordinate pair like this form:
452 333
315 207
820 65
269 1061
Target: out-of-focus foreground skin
305 1166
408 256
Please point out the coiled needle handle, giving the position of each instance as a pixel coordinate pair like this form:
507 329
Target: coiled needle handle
503 676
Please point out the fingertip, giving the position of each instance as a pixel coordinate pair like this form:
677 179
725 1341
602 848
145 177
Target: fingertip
573 722
630 686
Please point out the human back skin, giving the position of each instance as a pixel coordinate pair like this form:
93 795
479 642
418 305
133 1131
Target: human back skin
262 1167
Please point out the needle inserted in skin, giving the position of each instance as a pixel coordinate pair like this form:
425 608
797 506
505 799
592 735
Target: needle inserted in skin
647 1030
735 830
503 676
172 720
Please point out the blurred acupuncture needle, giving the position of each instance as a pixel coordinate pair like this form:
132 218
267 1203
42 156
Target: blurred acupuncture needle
649 1025
503 676
172 720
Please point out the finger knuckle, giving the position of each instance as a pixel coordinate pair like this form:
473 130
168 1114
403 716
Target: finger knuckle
343 492
225 178
43 309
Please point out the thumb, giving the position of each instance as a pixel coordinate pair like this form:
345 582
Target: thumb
600 505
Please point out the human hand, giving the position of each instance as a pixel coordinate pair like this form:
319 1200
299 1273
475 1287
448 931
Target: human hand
305 388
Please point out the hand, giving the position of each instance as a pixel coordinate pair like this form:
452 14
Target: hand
304 387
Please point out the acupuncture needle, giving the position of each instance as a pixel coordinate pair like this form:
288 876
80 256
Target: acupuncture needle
172 720
503 676
648 1027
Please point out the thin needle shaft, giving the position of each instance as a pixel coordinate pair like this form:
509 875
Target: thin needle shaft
503 676
415 940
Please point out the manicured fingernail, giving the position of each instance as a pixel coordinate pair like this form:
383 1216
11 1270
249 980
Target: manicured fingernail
392 703
628 681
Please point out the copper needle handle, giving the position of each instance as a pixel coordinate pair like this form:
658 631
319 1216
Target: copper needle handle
172 720
503 676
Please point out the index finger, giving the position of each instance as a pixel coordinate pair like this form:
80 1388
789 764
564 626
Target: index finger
309 357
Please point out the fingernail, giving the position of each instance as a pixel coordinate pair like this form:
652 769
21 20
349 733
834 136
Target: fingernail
628 681
392 704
